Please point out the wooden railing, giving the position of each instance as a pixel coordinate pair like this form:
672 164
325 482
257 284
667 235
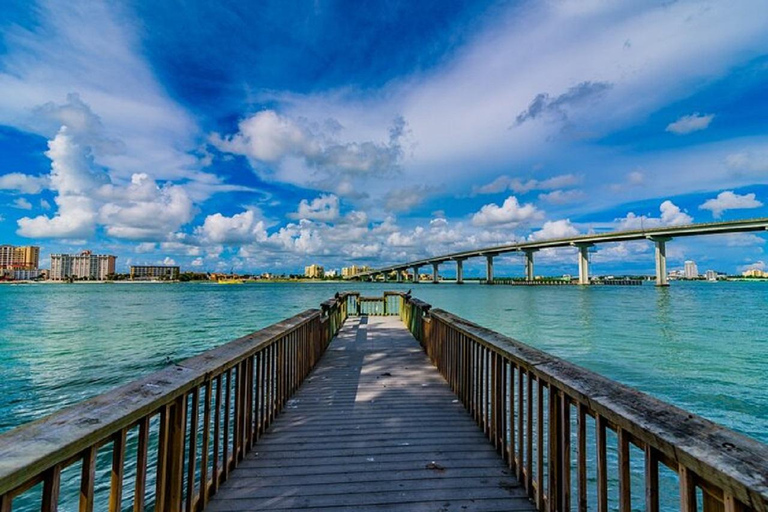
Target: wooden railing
632 451
175 434
387 305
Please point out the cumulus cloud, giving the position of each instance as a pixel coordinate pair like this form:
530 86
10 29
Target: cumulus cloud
511 212
301 148
23 183
691 123
748 161
728 200
86 197
324 208
243 227
554 229
671 215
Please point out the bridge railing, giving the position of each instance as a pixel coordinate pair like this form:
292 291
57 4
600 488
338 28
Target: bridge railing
174 435
534 406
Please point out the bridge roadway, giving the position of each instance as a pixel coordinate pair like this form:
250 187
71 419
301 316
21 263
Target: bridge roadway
660 236
374 427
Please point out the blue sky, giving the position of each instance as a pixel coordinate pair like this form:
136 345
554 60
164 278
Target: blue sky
267 137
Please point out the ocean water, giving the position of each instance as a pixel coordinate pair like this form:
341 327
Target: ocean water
701 346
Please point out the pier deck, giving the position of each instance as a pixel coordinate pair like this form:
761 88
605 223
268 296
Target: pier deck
374 427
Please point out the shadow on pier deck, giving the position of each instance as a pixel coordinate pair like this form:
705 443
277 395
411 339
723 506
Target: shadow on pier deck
374 426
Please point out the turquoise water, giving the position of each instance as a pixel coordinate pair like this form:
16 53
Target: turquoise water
701 346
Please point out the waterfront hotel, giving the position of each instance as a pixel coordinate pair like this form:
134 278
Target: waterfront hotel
85 265
154 273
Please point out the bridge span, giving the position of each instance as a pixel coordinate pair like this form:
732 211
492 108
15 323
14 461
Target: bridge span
659 236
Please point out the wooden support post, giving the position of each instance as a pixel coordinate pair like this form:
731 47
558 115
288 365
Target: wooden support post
118 470
87 480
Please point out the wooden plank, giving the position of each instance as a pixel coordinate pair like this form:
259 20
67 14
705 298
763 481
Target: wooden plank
142 457
602 464
651 479
540 446
216 466
51 489
175 474
191 494
565 451
87 480
117 473
581 464
204 460
687 489
161 478
6 503
625 490
225 435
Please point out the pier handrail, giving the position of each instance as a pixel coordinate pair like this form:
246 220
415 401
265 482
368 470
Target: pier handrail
246 381
499 379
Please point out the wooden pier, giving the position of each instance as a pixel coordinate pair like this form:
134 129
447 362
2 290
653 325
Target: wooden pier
378 403
374 427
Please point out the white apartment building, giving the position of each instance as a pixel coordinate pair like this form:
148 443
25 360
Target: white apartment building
691 271
85 265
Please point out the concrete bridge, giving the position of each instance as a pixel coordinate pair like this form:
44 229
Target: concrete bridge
378 403
659 236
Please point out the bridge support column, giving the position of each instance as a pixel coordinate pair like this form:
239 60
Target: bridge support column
489 269
399 275
661 260
459 271
435 275
529 264
583 263
415 275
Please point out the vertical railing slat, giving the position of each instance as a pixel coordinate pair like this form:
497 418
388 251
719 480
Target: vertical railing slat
142 454
87 479
118 471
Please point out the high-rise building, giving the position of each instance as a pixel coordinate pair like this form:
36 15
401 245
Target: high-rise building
354 270
154 272
85 265
26 257
691 271
314 271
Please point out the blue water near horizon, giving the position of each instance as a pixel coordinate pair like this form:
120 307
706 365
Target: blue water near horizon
701 346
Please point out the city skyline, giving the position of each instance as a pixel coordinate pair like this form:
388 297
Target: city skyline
417 129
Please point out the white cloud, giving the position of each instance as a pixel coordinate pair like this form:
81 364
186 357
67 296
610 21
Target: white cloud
145 247
748 161
511 212
504 183
324 208
691 123
23 183
405 199
671 215
197 262
554 229
301 153
728 200
169 261
21 203
243 227
562 196
86 197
